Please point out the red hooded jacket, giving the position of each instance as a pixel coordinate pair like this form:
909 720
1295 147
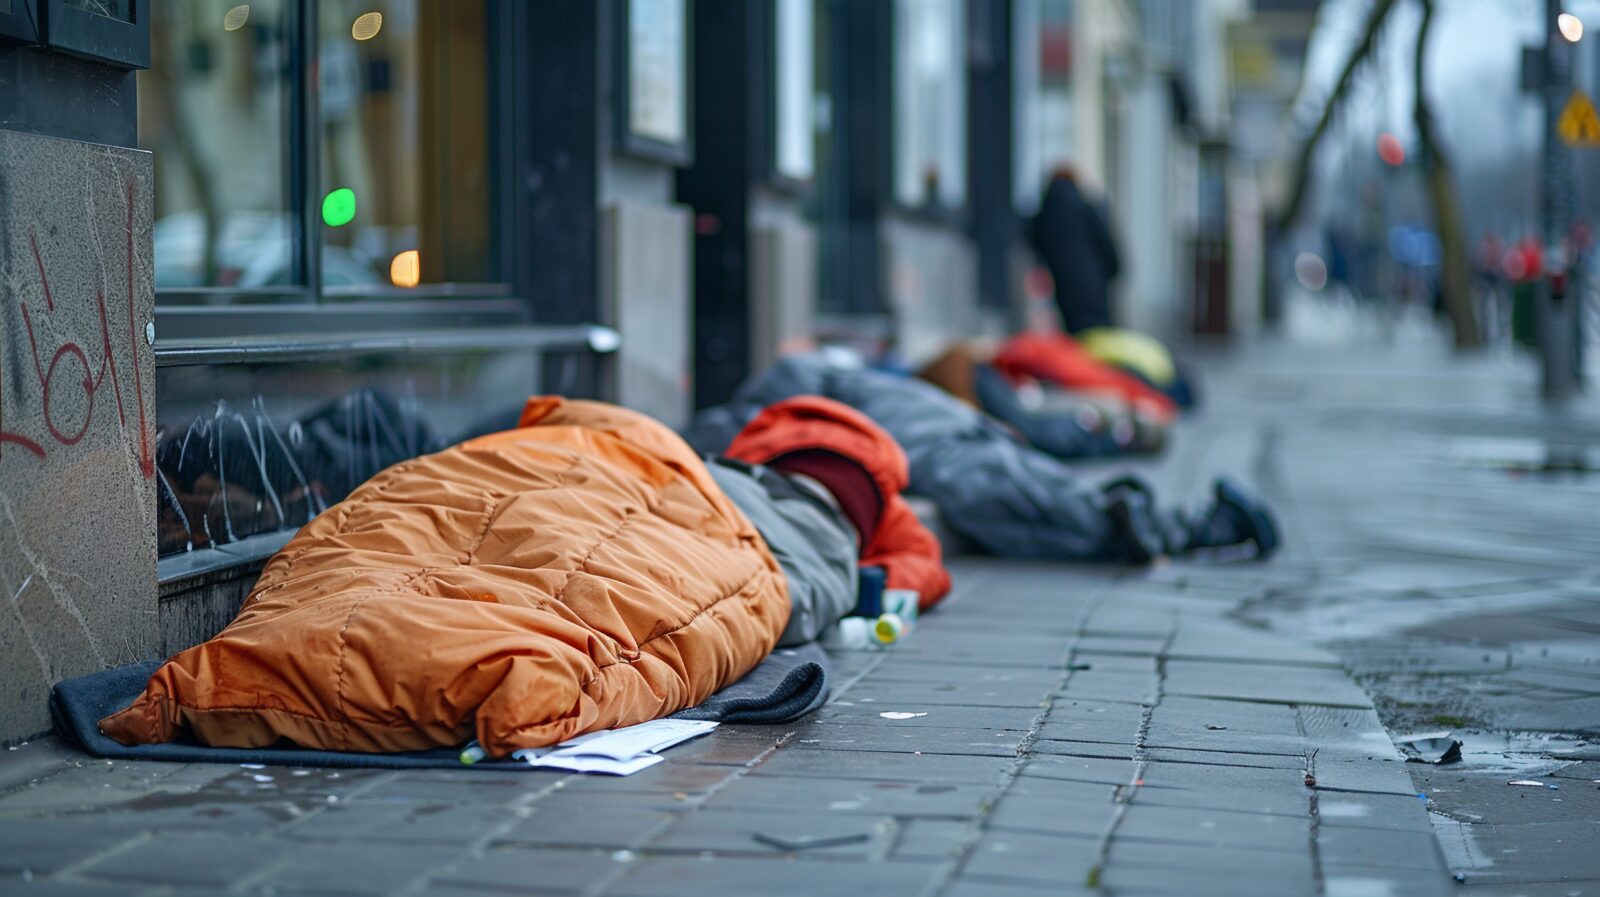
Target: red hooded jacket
900 544
1059 359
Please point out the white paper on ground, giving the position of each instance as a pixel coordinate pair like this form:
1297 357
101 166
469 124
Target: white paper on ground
617 751
625 744
604 766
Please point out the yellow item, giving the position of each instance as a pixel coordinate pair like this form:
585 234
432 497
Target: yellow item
1131 349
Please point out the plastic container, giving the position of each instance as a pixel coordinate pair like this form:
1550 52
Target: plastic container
864 633
903 604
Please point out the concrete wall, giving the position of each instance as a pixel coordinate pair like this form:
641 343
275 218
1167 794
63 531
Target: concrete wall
783 281
1143 206
646 295
77 419
932 273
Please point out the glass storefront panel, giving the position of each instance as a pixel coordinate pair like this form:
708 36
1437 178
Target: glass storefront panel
404 109
1043 112
121 10
796 67
249 449
214 108
930 103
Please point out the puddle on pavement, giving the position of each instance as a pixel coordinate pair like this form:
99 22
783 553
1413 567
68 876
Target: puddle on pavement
1516 754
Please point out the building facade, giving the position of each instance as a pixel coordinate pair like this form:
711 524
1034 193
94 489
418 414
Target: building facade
252 253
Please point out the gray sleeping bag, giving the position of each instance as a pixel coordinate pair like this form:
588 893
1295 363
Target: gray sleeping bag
812 541
1004 497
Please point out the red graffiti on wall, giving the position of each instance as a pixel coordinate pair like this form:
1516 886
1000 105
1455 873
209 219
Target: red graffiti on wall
70 360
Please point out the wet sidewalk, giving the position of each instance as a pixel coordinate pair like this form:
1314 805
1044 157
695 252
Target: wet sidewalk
1048 731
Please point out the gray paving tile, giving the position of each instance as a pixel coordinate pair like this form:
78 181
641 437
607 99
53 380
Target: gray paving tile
930 840
1107 732
176 860
854 796
726 746
1128 687
1215 828
1028 857
734 832
970 693
1018 718
774 877
1227 740
998 649
1079 769
980 886
1378 849
1186 869
1226 758
1219 641
354 868
45 845
1092 795
1226 787
1238 716
405 821
1378 811
926 739
477 788
1121 643
46 887
885 767
1366 881
1083 818
524 870
589 820
680 774
1278 685
1102 749
1090 711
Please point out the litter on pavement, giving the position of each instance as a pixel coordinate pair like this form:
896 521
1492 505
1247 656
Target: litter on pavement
1437 748
613 752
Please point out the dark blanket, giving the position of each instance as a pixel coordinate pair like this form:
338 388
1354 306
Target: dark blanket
788 684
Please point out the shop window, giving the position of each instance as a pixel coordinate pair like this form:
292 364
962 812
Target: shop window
214 109
403 111
326 170
383 190
795 114
1043 109
930 103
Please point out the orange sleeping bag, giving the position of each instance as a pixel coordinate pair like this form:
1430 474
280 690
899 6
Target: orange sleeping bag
578 573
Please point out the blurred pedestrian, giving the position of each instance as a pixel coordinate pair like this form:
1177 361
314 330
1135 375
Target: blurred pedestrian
1072 236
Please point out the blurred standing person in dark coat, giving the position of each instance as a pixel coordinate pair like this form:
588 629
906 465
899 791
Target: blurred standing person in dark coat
1073 237
1072 234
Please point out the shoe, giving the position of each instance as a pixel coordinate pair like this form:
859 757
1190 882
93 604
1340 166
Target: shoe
1250 514
1139 538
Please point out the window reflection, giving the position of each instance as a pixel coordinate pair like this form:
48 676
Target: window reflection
405 159
1044 108
213 108
930 103
121 10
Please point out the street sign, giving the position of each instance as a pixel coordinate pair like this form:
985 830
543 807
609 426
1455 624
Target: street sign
1579 125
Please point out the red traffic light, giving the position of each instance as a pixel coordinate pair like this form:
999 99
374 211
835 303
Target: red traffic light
1390 149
